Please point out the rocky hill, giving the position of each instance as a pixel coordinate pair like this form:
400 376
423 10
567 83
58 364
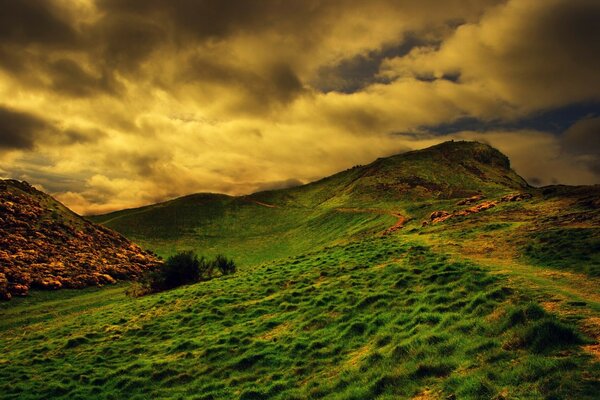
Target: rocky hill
45 245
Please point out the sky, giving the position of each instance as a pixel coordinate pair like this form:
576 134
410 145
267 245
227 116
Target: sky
111 104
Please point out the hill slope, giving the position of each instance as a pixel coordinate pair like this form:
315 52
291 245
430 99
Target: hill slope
437 274
351 204
381 318
45 245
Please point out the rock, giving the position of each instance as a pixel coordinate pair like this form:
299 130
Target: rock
4 293
515 197
470 200
19 290
49 283
483 206
105 279
43 245
438 214
443 218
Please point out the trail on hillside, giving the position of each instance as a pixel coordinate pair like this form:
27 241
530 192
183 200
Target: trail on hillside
401 219
260 203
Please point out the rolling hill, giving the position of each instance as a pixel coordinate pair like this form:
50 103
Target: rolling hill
44 245
351 204
435 274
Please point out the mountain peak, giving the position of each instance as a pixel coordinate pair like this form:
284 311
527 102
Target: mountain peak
463 150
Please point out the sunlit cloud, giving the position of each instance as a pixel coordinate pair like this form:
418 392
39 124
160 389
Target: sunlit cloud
113 104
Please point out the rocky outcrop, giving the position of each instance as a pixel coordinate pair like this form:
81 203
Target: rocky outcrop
441 216
470 200
516 197
44 245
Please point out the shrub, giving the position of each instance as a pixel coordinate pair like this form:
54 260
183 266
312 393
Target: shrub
225 265
181 269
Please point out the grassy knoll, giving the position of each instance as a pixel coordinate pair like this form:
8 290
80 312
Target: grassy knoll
385 317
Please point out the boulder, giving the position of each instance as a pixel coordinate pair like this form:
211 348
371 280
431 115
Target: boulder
515 197
438 214
470 200
19 290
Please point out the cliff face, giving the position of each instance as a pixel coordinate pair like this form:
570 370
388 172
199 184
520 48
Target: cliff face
45 245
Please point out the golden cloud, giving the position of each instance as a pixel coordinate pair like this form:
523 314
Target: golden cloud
117 103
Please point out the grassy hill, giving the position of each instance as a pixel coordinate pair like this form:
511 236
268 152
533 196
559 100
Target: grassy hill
436 274
355 203
382 318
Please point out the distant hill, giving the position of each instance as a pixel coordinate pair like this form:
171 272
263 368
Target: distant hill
359 201
45 245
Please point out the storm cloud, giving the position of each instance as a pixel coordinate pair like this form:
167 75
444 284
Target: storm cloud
142 100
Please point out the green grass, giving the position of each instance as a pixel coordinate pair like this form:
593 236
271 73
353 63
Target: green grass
576 249
324 306
384 317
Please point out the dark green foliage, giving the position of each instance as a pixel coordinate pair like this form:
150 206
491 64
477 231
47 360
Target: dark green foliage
181 269
225 265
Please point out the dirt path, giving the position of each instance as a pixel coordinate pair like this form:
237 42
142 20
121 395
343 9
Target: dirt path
260 203
401 220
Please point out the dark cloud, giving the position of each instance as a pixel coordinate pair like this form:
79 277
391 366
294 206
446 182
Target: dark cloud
583 137
258 91
583 141
352 74
217 19
534 181
80 136
69 78
26 22
24 131
19 130
125 41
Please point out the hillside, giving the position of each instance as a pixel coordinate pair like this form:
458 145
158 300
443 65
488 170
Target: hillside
382 318
44 245
432 275
355 203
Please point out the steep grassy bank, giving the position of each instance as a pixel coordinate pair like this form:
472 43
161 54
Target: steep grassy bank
385 317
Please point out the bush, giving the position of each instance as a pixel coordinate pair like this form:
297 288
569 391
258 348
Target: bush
224 265
181 269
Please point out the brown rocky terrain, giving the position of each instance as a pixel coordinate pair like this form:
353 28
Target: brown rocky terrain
44 245
441 216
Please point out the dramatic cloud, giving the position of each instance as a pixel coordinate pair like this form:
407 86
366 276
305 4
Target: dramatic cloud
117 103
18 130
